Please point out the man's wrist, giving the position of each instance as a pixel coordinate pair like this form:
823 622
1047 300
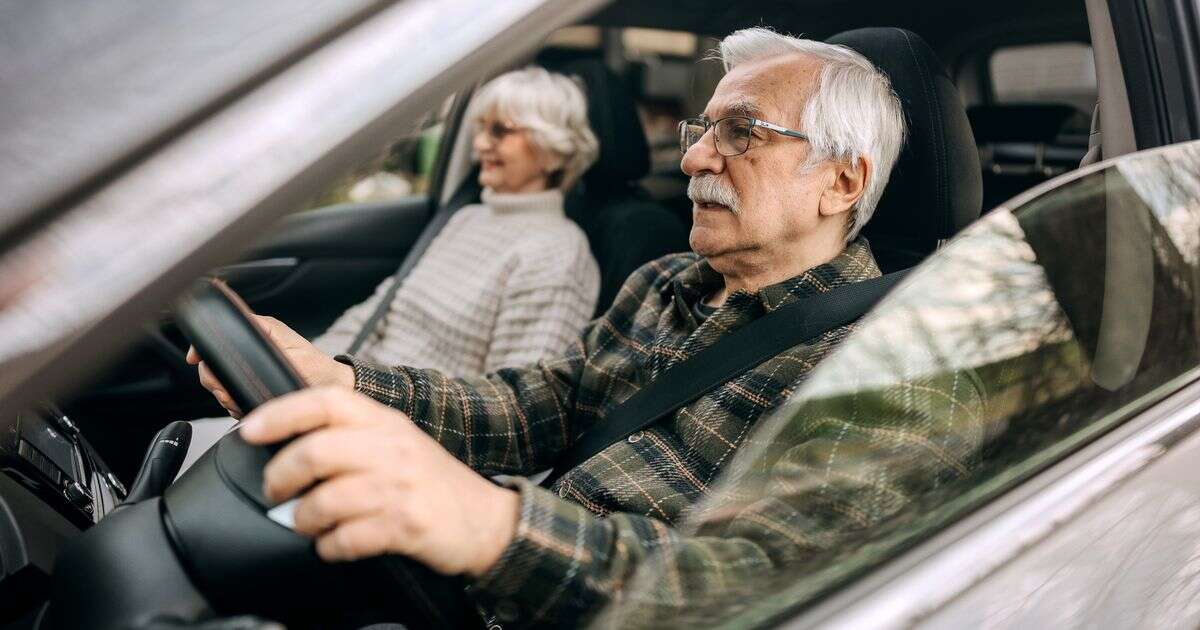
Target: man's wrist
343 375
505 511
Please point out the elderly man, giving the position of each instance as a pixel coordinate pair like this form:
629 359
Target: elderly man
786 166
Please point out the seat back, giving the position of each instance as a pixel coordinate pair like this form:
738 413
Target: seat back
934 189
1023 144
625 229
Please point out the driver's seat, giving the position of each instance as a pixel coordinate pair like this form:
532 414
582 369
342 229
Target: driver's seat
935 188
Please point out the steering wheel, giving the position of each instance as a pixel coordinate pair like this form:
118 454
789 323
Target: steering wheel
207 546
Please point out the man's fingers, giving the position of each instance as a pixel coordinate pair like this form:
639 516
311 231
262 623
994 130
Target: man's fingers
355 539
279 332
193 357
339 499
311 458
308 409
208 380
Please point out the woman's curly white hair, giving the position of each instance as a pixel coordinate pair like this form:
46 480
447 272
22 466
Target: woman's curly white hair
553 108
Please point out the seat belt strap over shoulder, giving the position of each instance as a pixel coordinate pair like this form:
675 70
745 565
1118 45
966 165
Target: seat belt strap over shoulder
749 346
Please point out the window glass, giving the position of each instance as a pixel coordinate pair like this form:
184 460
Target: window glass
1031 333
404 169
1062 72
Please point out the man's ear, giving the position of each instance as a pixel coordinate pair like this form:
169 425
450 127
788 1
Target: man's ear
849 182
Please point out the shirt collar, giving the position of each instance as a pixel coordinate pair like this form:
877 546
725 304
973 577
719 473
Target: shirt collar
855 263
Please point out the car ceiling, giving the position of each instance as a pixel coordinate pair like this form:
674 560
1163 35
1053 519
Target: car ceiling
948 25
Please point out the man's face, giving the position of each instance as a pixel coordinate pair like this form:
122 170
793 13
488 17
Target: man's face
778 199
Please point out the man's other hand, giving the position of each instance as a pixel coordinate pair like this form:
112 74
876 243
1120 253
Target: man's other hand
370 483
314 366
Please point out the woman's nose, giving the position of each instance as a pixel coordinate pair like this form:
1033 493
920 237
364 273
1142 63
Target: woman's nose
481 139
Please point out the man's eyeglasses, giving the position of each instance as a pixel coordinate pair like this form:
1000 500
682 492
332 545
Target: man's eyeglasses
733 133
495 129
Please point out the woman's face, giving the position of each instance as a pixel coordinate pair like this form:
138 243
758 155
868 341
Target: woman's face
509 162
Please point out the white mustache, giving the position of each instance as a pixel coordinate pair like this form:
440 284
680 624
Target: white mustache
711 189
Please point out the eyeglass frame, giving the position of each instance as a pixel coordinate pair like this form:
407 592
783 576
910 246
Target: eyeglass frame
754 122
490 128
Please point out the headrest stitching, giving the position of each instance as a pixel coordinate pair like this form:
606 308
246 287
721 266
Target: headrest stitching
937 132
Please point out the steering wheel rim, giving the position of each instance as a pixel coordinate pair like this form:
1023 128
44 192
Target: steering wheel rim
234 347
253 370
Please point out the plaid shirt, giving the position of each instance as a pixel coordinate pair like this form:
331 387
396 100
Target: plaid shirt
577 543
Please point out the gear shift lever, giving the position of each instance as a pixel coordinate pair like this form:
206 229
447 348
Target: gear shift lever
162 462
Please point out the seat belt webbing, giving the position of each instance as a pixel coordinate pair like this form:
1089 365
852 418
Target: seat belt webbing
754 343
463 196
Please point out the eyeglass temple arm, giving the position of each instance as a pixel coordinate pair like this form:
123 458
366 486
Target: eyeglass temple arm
777 129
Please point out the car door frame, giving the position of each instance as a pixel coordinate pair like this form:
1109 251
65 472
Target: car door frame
911 586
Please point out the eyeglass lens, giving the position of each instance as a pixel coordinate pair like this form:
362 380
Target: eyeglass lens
732 135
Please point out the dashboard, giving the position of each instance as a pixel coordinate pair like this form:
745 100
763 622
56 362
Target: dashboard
52 485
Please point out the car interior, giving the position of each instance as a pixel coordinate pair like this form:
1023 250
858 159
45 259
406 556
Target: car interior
1000 98
643 68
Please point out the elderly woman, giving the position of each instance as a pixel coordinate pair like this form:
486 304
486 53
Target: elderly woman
507 281
510 280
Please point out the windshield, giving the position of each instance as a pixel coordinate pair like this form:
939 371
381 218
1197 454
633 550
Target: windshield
88 273
1037 329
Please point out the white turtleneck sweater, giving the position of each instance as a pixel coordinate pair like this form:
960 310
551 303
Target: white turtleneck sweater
505 283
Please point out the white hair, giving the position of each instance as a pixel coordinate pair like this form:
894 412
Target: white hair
853 112
552 107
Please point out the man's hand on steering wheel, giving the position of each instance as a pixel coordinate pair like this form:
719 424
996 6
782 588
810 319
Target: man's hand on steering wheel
371 483
314 366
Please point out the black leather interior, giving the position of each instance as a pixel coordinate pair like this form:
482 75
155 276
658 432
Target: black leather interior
625 229
207 545
220 326
935 188
624 153
1024 144
1030 122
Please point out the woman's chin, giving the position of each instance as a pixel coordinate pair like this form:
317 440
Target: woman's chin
489 180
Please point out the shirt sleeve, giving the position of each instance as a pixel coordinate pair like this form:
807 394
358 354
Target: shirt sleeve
514 421
546 302
566 563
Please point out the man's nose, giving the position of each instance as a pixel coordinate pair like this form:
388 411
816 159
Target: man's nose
702 157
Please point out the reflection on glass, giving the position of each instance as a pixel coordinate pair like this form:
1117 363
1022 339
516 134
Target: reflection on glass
1034 331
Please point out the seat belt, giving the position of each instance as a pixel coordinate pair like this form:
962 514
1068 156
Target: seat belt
770 335
467 193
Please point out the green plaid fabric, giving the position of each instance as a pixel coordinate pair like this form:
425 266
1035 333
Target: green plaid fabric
577 543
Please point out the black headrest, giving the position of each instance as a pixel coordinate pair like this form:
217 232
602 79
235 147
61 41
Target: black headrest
1022 122
935 187
624 152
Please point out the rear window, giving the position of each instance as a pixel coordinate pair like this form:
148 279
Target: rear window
1063 72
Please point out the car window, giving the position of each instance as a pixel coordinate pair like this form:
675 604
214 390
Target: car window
1061 72
404 169
1040 327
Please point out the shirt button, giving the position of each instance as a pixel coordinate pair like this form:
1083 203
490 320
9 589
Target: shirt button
634 438
562 491
506 611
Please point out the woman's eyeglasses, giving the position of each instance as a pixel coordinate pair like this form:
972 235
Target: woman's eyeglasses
495 129
732 133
